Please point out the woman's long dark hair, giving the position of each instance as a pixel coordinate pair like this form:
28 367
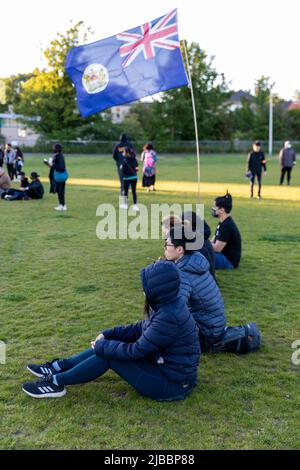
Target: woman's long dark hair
147 308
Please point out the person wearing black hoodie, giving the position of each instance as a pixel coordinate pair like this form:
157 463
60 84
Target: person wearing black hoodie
118 157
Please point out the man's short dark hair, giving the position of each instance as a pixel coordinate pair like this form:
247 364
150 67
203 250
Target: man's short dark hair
178 237
224 202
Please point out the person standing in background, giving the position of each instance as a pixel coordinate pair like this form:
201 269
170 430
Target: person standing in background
1 156
149 159
9 159
256 161
287 159
118 156
60 173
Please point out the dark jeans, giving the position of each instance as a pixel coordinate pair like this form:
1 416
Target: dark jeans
121 180
60 189
221 262
127 184
143 375
15 194
286 170
10 170
252 181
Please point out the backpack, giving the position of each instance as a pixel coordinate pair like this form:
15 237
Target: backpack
149 165
235 339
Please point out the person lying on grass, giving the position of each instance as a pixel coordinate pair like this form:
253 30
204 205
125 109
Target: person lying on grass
159 356
204 298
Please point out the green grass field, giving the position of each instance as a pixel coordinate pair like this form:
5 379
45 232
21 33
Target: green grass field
60 285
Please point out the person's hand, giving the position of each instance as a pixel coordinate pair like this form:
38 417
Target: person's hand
265 173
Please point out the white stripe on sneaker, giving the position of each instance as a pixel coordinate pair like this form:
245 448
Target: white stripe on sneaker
41 389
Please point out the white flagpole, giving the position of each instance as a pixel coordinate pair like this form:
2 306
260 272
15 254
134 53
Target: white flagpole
195 117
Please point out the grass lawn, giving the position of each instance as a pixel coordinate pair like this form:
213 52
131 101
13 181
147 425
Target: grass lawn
61 285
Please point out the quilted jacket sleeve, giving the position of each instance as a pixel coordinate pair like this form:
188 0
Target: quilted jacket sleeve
161 331
125 333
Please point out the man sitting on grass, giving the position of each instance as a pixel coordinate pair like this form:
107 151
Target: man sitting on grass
227 243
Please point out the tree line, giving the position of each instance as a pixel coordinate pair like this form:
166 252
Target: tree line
49 94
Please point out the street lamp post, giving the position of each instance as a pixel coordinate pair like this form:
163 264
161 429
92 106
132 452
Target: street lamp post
271 121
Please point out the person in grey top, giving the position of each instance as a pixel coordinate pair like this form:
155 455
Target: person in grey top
9 159
287 159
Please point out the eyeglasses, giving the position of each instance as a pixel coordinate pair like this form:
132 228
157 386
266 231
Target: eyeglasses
167 244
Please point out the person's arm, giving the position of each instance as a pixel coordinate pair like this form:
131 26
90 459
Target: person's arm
280 157
47 163
125 333
218 246
158 335
263 162
185 287
223 236
294 158
249 161
116 154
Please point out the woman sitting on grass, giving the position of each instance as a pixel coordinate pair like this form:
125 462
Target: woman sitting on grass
159 356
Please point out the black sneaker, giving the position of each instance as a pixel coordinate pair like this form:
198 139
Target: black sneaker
44 388
43 369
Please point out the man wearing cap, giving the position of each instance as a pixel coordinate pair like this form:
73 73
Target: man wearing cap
227 243
256 162
287 159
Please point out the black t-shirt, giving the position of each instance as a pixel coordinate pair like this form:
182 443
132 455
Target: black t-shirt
228 232
256 161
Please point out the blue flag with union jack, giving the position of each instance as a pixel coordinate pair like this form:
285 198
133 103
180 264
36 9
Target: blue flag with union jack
129 66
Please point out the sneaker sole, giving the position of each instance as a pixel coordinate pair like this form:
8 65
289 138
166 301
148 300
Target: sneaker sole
47 395
35 373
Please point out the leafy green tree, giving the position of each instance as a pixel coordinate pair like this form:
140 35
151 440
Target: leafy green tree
50 95
13 87
293 124
173 114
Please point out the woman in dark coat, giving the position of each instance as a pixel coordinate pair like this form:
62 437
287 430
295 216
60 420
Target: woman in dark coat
159 356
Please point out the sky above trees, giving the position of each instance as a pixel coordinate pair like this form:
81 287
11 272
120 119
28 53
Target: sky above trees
248 38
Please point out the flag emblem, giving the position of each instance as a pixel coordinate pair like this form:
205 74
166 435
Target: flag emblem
95 78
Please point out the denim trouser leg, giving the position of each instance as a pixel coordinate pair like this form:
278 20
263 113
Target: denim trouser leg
222 262
143 375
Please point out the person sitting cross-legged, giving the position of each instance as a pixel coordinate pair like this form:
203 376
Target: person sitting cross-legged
159 356
227 242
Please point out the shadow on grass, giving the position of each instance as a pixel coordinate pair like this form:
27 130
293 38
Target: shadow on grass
85 289
280 238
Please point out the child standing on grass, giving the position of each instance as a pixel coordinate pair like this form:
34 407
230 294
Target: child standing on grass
159 356
149 159
129 168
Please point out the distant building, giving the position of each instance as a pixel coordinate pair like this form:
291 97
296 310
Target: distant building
294 105
16 132
236 99
118 113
